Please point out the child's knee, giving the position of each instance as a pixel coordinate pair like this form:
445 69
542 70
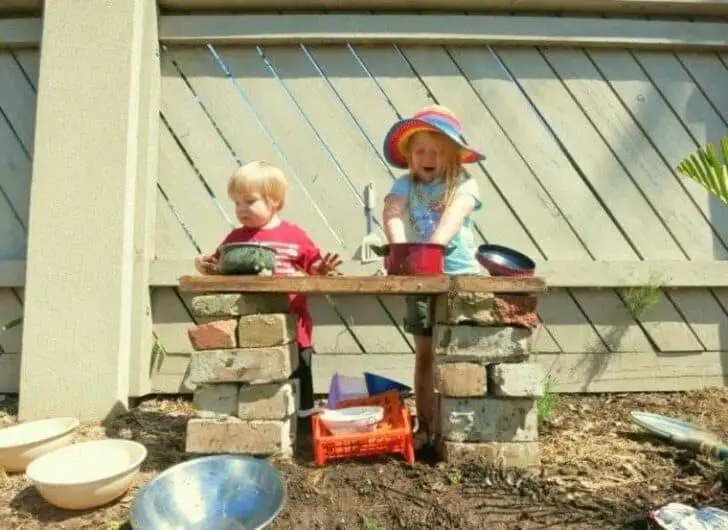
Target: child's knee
417 318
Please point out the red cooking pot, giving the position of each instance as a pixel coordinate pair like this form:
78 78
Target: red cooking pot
413 259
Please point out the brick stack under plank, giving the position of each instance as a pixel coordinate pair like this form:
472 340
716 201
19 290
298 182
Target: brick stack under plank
487 389
245 353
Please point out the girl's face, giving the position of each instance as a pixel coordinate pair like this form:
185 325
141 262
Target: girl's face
429 155
253 211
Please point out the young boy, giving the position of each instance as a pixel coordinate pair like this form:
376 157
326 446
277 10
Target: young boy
258 190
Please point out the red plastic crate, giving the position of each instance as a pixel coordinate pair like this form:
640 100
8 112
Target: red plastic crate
392 435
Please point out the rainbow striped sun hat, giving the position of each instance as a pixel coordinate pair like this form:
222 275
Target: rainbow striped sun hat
434 119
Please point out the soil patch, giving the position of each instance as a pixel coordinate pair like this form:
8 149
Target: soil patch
599 471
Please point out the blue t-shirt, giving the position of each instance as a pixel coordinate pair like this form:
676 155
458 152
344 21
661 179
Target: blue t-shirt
422 218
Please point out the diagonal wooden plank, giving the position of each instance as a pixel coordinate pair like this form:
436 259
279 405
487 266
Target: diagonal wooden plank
655 180
248 136
29 59
10 309
171 240
512 111
653 114
15 172
188 196
17 100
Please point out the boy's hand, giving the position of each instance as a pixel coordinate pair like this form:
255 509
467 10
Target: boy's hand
327 264
206 264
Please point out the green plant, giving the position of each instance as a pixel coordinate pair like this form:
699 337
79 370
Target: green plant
640 298
370 524
709 168
546 403
159 352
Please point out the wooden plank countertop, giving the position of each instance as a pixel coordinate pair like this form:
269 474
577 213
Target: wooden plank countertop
360 284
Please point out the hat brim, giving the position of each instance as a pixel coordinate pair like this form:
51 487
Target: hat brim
401 131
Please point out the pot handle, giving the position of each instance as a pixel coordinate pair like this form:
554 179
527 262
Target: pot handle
380 250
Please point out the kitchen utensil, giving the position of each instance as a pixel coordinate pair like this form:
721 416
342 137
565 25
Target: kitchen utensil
682 433
503 261
352 419
413 259
377 384
343 387
21 444
246 258
367 255
88 474
232 492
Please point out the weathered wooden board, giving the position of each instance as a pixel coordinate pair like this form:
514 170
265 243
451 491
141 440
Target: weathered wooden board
569 372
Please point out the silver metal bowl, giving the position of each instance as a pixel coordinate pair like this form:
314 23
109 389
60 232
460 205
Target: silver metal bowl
221 492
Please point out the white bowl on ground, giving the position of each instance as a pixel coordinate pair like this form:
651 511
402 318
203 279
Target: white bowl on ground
352 419
21 444
88 474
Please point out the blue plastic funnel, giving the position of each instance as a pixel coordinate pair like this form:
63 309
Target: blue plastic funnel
377 384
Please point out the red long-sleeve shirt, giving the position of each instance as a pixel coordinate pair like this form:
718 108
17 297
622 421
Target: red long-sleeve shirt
294 250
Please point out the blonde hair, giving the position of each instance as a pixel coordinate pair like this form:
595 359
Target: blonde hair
259 177
451 165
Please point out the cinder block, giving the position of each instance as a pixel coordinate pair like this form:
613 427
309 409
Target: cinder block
516 379
488 419
216 400
487 309
238 305
461 379
482 344
233 435
522 455
274 401
262 331
243 365
216 335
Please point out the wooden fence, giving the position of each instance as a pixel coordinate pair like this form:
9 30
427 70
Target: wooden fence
583 130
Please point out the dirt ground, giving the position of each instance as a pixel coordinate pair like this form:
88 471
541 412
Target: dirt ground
599 471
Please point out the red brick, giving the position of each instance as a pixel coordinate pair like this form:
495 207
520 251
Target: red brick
218 335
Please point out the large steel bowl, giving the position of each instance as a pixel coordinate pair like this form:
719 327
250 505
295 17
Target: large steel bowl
221 492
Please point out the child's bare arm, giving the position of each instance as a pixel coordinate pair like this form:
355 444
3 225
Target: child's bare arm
393 216
462 205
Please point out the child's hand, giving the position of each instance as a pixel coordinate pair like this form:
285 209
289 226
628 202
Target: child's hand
206 264
327 264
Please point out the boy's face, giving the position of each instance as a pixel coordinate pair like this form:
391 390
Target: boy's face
428 155
252 210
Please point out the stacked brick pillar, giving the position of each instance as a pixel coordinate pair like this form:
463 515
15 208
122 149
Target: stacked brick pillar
245 353
488 389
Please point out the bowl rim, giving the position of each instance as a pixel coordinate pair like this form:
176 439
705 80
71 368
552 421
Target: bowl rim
73 424
135 463
247 244
132 509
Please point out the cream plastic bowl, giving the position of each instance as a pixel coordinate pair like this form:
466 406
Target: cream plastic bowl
352 419
88 474
23 443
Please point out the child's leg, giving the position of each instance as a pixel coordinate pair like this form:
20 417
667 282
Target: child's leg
305 378
418 324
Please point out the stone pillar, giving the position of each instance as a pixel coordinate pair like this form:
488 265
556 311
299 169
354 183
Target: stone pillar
94 145
245 353
487 389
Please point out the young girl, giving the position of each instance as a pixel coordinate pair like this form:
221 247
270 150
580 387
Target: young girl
258 190
432 203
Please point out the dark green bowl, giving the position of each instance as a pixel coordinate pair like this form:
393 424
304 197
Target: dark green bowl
246 258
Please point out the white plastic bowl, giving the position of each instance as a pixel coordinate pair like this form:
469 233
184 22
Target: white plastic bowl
352 419
88 474
23 443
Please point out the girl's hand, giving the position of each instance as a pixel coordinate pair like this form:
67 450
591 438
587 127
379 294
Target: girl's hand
206 265
327 264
